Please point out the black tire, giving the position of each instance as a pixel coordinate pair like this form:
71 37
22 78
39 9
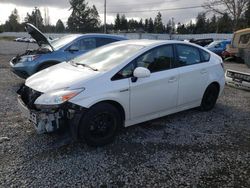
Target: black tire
209 98
99 124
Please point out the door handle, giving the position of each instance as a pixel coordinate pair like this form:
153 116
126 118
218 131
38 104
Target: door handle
172 79
203 71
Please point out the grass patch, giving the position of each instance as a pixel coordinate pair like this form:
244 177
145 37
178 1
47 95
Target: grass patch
8 38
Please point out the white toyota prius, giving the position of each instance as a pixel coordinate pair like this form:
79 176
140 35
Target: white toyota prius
121 84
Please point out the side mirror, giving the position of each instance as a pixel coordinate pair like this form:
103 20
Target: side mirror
141 72
73 48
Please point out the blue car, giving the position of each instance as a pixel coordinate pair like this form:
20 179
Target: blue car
218 46
51 52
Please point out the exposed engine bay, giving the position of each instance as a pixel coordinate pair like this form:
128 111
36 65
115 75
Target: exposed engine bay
48 119
41 50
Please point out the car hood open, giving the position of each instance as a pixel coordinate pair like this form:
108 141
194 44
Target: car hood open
63 75
37 35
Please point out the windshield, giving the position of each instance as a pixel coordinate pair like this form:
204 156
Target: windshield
57 44
109 56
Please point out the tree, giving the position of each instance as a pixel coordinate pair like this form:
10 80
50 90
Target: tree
117 22
181 29
35 18
12 24
146 25
247 15
233 8
83 18
59 26
150 25
124 23
94 19
159 28
213 25
201 25
225 24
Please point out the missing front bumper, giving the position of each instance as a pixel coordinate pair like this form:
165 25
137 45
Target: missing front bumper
42 121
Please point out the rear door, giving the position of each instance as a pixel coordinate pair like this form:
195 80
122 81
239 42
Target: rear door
193 68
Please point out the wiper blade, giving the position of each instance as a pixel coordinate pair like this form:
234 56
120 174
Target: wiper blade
88 66
84 65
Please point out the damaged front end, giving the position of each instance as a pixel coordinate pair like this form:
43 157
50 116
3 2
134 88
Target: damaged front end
46 118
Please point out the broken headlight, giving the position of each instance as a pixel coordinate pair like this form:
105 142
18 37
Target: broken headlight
55 98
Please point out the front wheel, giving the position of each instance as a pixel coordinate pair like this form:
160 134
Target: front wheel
100 124
209 98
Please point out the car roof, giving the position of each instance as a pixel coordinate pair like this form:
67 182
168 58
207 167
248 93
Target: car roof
98 35
147 42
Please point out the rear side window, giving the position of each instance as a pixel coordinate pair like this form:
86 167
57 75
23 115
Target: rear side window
87 44
104 41
187 55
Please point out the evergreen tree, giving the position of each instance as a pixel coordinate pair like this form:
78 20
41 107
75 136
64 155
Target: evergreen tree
124 23
83 18
146 25
158 25
59 26
35 18
12 24
225 24
201 23
117 22
150 25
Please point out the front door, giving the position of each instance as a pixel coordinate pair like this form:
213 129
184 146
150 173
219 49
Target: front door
158 92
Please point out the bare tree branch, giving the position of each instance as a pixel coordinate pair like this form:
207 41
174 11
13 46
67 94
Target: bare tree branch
234 8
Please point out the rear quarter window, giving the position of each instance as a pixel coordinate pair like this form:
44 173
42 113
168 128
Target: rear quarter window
205 56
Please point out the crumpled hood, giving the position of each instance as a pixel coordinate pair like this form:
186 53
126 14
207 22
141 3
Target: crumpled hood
63 75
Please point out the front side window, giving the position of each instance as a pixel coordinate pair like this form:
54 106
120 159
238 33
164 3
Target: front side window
158 59
187 55
244 39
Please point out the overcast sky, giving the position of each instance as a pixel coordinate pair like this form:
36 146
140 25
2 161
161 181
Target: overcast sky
60 9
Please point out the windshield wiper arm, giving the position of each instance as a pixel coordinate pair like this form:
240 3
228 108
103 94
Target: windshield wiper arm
84 65
88 66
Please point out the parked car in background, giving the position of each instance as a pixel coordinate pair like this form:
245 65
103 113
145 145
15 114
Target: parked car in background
51 52
202 42
218 46
240 47
121 84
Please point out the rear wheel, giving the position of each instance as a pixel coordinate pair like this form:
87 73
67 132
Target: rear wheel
209 98
100 124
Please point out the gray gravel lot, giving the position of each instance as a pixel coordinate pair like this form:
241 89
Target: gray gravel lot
187 149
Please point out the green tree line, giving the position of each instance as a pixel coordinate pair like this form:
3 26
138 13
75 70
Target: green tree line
85 18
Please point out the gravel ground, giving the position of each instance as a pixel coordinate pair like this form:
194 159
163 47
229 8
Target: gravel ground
187 149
